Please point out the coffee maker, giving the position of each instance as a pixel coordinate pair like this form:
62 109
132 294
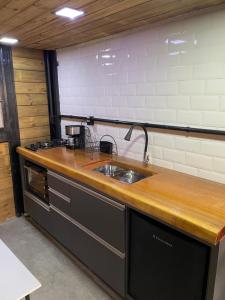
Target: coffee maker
76 136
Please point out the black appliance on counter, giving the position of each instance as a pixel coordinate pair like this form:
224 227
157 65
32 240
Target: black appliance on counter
36 181
165 264
47 144
76 136
106 147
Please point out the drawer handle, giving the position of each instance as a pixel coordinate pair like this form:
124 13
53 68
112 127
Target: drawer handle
88 191
99 196
58 194
89 232
37 201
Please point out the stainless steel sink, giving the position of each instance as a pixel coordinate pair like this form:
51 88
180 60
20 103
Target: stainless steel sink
109 170
121 174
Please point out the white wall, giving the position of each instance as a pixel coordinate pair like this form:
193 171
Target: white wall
171 74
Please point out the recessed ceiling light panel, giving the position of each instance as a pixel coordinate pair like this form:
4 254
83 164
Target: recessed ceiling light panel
9 41
69 13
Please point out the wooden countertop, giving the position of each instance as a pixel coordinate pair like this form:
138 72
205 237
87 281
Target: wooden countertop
194 205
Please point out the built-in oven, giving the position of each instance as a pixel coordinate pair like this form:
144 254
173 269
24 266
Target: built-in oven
36 181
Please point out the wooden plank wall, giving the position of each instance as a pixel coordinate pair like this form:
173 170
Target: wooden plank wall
30 87
7 209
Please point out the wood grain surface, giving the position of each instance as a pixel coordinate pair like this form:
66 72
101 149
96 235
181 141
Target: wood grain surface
35 24
191 204
7 209
31 95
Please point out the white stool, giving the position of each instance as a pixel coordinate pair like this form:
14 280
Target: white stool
16 281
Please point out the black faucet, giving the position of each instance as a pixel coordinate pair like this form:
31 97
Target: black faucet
128 136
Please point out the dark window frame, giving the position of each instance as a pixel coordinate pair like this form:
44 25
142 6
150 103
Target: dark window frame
10 132
51 64
3 131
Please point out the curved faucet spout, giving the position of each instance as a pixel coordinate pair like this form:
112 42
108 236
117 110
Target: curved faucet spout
128 137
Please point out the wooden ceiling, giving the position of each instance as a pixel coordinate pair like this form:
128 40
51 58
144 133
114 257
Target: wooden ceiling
36 26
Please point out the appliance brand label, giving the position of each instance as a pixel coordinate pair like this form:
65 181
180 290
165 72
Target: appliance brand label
157 238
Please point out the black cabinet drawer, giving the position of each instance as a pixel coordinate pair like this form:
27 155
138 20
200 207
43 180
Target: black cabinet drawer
102 215
59 183
38 210
60 201
102 259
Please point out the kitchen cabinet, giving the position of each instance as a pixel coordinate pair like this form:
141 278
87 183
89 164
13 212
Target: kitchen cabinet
102 215
165 264
39 211
90 225
131 252
99 257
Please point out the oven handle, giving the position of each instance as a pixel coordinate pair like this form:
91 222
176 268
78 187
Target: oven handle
33 170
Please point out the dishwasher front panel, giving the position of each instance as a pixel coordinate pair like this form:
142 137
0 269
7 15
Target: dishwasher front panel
163 263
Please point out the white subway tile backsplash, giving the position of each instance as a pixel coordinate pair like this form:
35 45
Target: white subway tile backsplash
156 101
209 71
136 101
222 103
180 73
188 144
199 161
101 101
136 76
167 88
156 73
119 101
215 86
185 169
164 116
128 90
130 113
194 56
190 118
170 74
163 140
219 165
144 115
162 163
112 90
178 102
211 175
174 155
157 152
213 119
213 148
217 53
145 89
205 103
192 87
